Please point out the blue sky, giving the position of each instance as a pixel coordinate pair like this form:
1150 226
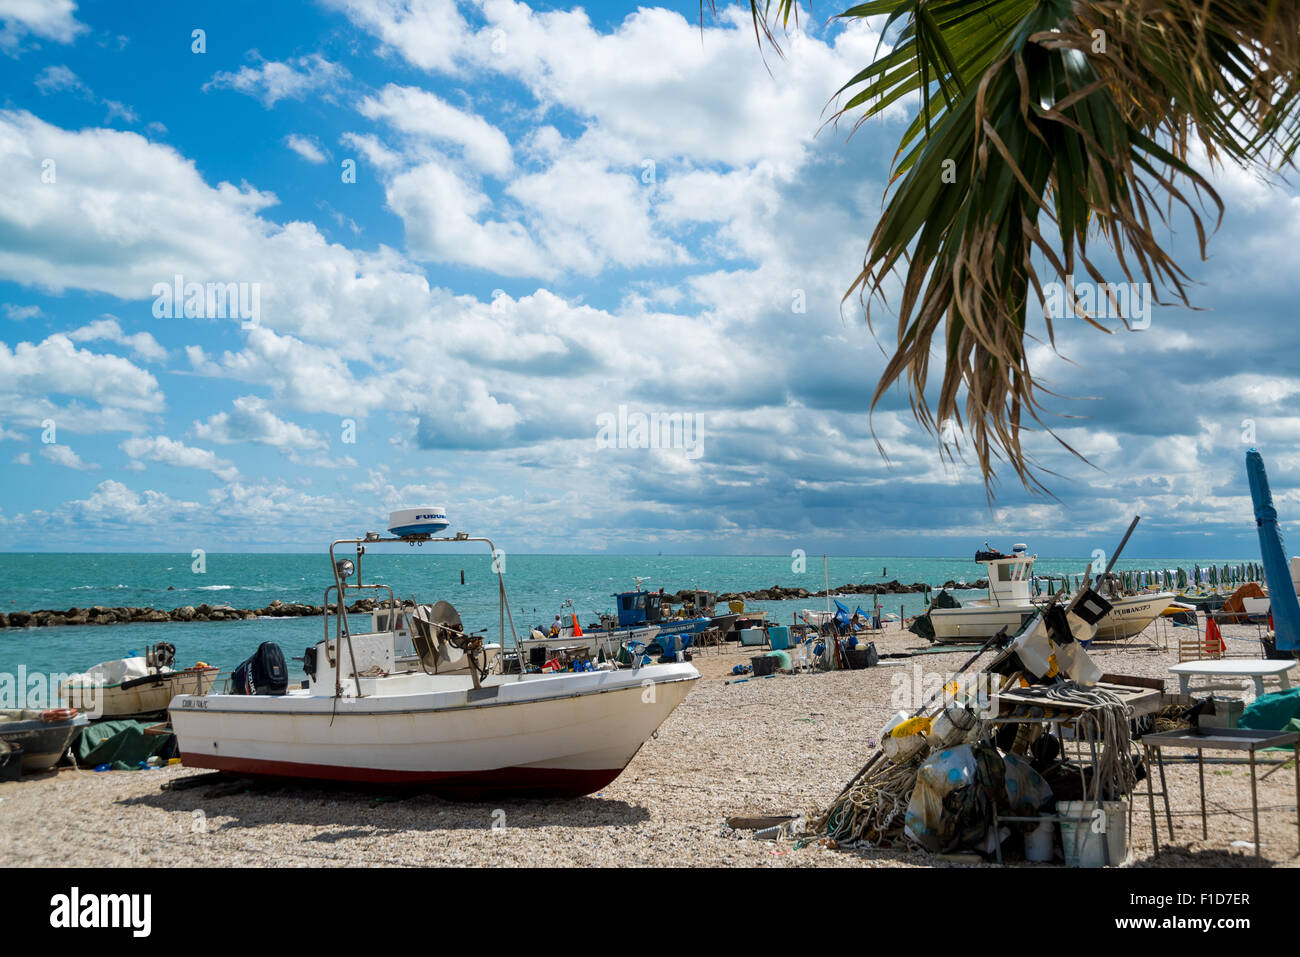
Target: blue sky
556 213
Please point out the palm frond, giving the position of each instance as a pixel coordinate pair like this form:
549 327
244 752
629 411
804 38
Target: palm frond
1068 119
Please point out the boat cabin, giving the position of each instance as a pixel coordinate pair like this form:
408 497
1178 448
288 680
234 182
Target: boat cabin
1010 576
639 608
703 602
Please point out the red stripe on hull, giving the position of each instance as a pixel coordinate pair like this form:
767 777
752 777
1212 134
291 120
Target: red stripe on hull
456 785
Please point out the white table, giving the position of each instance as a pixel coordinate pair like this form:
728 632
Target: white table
1256 668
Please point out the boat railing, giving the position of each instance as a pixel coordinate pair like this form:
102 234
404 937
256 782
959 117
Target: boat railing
342 572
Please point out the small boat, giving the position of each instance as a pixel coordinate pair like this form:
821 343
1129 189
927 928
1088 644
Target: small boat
1009 604
642 616
138 686
365 717
44 736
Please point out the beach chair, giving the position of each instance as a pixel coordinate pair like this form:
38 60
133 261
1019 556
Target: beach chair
803 658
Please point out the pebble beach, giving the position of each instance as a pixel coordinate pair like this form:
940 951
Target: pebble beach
779 745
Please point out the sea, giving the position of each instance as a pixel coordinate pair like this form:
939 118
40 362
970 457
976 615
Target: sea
536 588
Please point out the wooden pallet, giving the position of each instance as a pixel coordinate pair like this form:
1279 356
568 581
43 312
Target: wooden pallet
1192 647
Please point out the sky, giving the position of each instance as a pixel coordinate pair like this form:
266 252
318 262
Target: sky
463 254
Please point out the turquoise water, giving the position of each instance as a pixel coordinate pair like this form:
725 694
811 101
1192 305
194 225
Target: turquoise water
536 586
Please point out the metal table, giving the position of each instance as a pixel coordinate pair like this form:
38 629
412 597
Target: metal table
1216 739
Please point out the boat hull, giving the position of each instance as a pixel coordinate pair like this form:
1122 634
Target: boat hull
43 742
972 621
456 785
1131 614
140 697
564 735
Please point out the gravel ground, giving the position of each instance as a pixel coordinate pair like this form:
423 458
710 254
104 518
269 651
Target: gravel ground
764 745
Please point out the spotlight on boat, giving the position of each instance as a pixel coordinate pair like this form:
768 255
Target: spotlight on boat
344 568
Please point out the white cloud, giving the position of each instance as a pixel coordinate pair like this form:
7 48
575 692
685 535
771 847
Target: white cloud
119 110
272 81
66 457
142 344
60 79
656 81
43 19
587 216
375 152
23 458
421 115
113 502
442 211
252 421
160 448
19 313
428 33
305 146
55 366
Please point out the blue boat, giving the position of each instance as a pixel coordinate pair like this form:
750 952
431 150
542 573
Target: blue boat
640 608
640 618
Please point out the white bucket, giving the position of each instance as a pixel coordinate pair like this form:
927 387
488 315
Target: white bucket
1097 840
1040 842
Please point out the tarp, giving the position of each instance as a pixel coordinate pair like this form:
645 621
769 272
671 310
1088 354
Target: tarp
121 744
1236 605
945 600
842 616
923 627
1271 712
111 672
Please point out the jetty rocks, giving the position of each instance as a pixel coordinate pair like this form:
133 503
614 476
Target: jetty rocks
102 615
781 593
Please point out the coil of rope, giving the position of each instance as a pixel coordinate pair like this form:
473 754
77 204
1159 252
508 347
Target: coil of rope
873 809
1104 720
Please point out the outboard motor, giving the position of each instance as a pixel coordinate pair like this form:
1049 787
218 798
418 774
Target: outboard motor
262 673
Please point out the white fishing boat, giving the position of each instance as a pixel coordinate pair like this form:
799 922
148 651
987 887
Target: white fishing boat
366 717
135 687
1009 604
1130 614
